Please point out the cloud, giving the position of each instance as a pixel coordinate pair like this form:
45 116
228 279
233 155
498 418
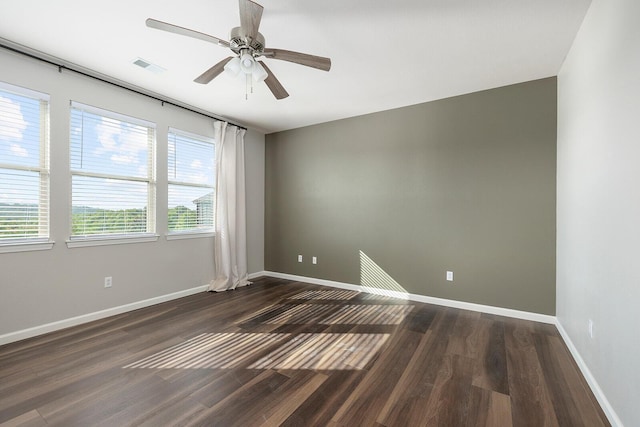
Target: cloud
12 123
108 130
200 178
19 151
123 159
196 164
125 141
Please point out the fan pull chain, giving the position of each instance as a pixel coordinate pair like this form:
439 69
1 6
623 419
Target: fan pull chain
248 86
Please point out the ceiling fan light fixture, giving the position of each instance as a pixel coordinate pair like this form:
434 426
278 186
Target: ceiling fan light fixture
259 73
247 63
232 68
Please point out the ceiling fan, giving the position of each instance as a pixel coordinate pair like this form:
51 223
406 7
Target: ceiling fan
248 45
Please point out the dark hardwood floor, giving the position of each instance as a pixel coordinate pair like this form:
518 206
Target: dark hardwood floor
293 354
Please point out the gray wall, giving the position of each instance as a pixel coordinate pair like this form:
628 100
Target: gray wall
397 198
41 287
598 205
254 173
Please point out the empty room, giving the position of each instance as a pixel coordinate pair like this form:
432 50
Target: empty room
338 213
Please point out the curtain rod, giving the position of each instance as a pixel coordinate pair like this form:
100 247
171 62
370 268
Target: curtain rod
64 65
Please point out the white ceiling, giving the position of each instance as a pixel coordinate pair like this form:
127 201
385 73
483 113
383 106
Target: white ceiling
385 54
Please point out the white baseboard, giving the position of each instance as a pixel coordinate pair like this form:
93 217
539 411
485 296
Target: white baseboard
78 320
593 384
536 317
73 321
255 275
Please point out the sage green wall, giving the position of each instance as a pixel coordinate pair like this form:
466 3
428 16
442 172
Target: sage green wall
398 197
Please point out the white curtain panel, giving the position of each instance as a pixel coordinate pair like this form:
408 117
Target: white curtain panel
230 247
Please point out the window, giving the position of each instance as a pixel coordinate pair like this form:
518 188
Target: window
24 166
112 175
191 163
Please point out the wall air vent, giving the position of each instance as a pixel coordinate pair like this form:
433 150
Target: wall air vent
156 69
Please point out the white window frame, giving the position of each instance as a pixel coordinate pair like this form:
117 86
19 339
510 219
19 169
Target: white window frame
83 240
195 232
43 239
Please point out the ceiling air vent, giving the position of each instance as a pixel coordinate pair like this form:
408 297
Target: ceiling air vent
148 66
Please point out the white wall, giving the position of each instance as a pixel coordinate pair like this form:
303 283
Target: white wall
598 209
41 287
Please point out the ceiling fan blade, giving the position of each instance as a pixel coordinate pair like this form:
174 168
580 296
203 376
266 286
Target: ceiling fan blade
165 26
319 62
250 16
213 72
274 84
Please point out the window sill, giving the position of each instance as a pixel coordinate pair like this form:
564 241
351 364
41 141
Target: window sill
108 240
189 235
24 246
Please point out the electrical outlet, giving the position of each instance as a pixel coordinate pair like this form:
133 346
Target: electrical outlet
299 258
108 281
314 260
590 328
450 276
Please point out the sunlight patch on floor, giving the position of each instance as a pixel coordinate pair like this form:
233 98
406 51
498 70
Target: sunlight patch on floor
220 350
304 351
332 314
369 315
324 352
326 295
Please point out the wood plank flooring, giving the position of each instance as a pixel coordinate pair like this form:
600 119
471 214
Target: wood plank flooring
294 354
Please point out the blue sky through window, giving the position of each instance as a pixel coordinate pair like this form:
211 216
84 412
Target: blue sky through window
19 147
108 146
115 152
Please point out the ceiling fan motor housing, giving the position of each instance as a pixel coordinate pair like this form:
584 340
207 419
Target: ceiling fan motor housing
239 41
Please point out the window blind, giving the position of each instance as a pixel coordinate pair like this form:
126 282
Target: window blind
112 174
24 165
191 182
